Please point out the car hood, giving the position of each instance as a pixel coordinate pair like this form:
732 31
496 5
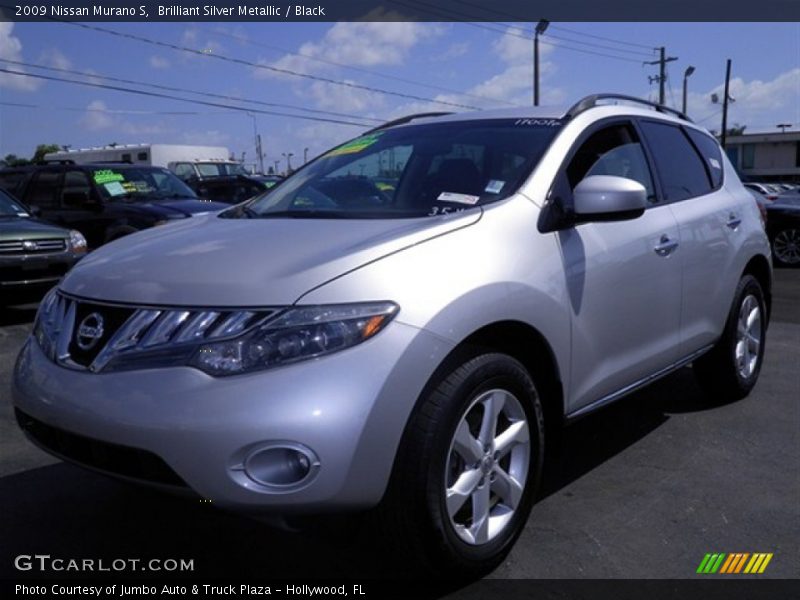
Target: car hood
184 206
28 229
217 262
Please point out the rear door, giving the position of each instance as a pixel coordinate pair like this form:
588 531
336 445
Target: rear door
43 192
82 208
623 277
689 165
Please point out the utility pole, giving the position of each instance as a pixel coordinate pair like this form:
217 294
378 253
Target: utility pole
725 104
260 154
541 27
662 73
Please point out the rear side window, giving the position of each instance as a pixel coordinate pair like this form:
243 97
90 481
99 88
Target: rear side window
710 151
681 170
44 189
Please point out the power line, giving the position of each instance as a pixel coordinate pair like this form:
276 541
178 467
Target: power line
248 41
170 97
187 91
526 35
449 15
519 18
248 63
119 111
600 37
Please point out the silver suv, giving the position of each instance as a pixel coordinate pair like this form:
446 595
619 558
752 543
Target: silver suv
402 323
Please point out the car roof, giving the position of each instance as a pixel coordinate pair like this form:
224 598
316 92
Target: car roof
599 104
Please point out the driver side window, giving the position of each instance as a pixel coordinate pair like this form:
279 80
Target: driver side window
614 150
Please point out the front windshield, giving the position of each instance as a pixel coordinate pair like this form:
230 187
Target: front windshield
139 183
10 207
412 171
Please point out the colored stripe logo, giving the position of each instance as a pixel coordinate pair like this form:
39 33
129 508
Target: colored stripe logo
737 562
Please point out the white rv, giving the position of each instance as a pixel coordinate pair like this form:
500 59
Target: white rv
187 162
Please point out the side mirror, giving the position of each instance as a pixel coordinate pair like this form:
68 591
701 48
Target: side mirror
609 198
76 198
35 211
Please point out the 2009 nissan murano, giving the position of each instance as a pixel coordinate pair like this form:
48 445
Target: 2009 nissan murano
401 322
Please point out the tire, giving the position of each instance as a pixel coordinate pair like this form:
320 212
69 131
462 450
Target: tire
730 369
442 446
786 247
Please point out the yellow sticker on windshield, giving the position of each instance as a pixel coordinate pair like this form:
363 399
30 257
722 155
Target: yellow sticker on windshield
355 146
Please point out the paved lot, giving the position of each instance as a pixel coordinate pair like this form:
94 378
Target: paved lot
640 490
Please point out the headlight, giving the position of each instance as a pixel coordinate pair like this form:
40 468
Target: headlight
77 243
298 334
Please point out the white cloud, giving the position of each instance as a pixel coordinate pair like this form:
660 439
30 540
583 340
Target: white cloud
53 57
96 117
758 104
513 84
345 99
11 49
194 40
357 44
454 50
159 62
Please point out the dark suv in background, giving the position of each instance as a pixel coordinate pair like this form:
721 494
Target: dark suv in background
104 201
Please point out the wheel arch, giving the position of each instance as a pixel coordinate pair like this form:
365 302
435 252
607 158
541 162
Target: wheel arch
759 267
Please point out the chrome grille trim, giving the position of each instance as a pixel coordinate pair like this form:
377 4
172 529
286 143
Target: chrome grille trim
146 329
32 246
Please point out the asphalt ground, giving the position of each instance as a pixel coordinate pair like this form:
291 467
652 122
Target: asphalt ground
642 489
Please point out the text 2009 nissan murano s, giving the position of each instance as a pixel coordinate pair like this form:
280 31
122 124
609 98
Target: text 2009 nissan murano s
401 322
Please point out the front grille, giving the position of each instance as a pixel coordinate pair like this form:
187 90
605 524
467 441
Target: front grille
32 246
90 335
114 317
104 456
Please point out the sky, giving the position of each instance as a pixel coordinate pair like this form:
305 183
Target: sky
350 66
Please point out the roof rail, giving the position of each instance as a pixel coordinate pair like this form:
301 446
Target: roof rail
591 101
406 119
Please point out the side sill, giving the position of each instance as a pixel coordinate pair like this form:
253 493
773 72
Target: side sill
637 385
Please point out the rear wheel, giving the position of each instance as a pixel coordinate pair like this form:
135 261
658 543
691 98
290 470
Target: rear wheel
786 247
730 370
467 472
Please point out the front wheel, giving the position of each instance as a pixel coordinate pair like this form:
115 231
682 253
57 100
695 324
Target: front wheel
730 370
469 467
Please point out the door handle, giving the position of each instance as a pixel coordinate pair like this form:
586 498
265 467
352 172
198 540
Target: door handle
666 246
733 221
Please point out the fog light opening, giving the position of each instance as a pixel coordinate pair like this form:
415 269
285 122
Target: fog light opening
281 466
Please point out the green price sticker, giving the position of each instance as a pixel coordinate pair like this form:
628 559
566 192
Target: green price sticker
106 176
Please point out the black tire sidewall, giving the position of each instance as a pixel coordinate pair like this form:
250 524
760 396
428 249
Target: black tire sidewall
491 371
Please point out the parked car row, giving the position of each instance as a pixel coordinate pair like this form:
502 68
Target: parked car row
770 191
34 255
782 223
50 214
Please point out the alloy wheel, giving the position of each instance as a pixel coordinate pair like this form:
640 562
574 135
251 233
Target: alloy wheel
487 466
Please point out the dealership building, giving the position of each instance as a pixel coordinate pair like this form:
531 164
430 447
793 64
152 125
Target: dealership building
766 156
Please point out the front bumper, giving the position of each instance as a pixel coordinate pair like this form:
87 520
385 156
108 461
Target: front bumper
349 408
29 271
